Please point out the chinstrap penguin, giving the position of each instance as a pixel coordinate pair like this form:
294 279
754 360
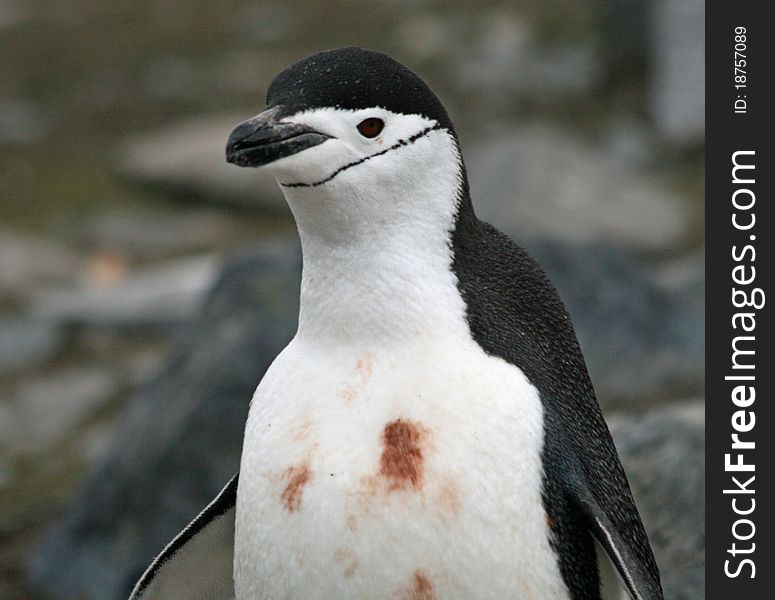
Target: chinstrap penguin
431 430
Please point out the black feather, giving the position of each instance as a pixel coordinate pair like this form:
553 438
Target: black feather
354 78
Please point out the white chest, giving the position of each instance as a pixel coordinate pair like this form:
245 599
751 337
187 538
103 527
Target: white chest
412 473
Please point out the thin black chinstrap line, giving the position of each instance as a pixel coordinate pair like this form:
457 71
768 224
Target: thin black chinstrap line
395 146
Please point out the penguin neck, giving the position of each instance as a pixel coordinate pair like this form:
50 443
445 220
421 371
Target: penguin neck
371 276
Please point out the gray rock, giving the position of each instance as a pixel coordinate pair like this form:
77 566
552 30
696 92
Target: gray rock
500 60
687 270
44 410
678 66
181 436
174 77
541 181
26 344
13 13
505 69
643 340
265 23
27 262
625 28
630 144
21 121
663 453
661 44
159 296
425 35
156 234
188 159
6 472
170 76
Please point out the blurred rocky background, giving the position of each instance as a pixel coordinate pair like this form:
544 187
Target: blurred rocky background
145 284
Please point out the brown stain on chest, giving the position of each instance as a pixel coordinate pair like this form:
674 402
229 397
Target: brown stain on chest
402 458
448 499
421 588
401 468
296 478
359 500
348 394
348 560
364 367
303 433
352 523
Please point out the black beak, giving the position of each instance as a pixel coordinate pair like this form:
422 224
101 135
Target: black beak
264 139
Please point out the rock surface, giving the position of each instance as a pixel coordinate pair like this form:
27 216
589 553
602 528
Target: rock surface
678 65
26 344
181 436
27 262
154 235
503 63
663 453
21 121
44 410
541 181
164 295
187 159
642 336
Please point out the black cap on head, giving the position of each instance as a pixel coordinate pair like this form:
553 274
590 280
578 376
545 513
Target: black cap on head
354 78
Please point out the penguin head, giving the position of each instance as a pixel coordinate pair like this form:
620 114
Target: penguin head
350 122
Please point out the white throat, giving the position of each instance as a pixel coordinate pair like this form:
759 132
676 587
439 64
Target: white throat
376 247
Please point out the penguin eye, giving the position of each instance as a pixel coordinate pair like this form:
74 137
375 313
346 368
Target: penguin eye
370 127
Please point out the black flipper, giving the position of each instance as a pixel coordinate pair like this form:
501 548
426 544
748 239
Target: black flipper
198 563
515 313
639 583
